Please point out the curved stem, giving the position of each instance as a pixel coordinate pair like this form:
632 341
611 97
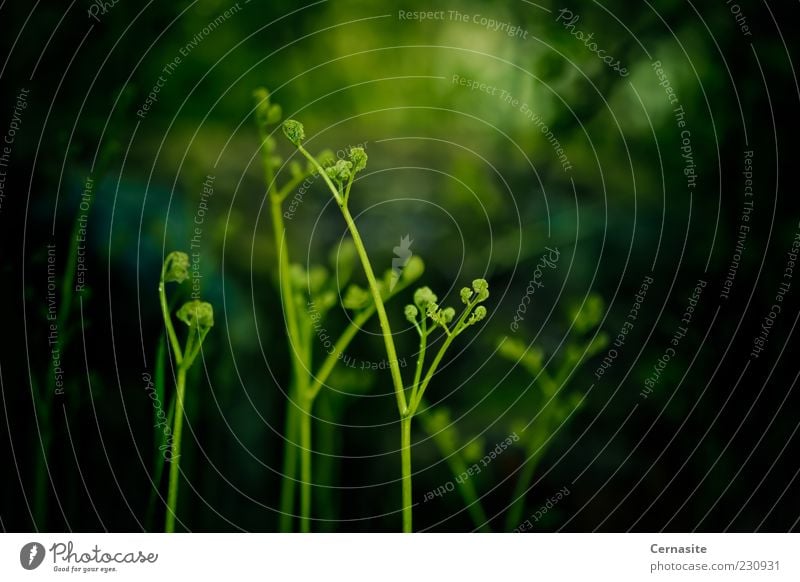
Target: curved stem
322 173
423 343
457 329
173 339
391 353
175 452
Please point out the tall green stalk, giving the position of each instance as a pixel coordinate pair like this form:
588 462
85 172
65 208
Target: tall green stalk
339 178
304 386
175 452
199 317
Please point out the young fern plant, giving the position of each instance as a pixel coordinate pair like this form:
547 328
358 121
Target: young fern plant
559 402
445 435
199 318
306 298
425 314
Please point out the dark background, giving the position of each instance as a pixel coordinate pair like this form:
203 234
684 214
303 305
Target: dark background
479 190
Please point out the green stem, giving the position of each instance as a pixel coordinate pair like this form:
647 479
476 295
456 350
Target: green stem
290 455
423 343
175 453
468 491
305 465
338 349
405 452
391 353
394 365
431 371
514 515
173 339
299 372
322 173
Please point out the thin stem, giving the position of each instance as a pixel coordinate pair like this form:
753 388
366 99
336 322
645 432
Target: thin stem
175 452
193 347
322 173
514 515
299 371
386 329
457 329
290 456
173 339
338 349
287 297
436 360
423 343
405 452
286 189
305 465
347 188
468 492
391 352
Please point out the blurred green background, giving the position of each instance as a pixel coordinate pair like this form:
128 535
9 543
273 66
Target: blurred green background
478 187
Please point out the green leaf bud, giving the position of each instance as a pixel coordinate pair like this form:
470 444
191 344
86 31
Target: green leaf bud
589 315
411 313
176 267
326 300
359 159
466 295
340 171
481 287
356 298
266 113
274 113
424 297
294 131
197 315
447 314
317 277
413 270
477 315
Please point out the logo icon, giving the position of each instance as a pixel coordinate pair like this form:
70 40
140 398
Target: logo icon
31 555
402 254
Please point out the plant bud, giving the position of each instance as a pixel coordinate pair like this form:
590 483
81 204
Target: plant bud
413 269
424 296
197 314
294 131
447 314
340 171
176 267
481 287
359 159
355 298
